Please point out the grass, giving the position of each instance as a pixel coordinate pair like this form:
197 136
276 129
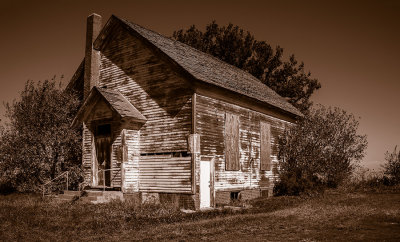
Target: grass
332 216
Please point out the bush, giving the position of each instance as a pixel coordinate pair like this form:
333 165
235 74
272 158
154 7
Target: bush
363 179
392 166
37 144
320 150
295 184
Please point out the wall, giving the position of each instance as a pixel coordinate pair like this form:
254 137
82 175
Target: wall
160 94
210 123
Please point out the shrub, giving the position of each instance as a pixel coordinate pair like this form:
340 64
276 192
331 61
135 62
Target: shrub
37 144
321 149
295 184
392 166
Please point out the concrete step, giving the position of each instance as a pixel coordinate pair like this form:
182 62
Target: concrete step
106 196
91 196
74 193
70 196
94 193
88 199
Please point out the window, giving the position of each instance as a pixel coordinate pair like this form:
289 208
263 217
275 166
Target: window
234 196
232 142
265 146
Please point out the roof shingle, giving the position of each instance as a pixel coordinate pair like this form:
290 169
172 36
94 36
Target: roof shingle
209 69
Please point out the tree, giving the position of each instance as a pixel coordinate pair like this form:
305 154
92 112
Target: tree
37 143
392 166
321 149
239 48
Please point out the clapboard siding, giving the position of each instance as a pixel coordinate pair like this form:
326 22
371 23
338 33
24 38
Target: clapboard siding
87 154
131 182
165 174
210 123
161 95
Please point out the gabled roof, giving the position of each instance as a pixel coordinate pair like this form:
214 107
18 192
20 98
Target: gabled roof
115 100
205 67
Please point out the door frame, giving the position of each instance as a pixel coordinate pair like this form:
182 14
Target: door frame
95 165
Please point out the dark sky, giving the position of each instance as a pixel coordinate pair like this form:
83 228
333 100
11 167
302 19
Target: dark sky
352 47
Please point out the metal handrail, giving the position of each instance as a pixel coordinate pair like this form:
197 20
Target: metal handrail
104 175
62 174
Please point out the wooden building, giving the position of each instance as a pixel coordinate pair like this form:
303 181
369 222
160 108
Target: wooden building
166 121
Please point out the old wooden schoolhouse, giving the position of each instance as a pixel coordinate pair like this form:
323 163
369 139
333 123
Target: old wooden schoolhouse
164 120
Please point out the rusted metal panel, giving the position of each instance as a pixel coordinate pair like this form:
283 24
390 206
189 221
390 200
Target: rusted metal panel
165 174
231 142
265 149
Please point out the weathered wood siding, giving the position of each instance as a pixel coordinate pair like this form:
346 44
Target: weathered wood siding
161 95
131 182
232 142
265 146
210 124
87 155
156 90
165 174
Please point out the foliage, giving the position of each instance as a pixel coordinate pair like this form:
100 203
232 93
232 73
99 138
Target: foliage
364 179
293 183
392 166
321 149
237 47
38 144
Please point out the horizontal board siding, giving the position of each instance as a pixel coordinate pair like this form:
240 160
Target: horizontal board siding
160 94
87 154
165 174
210 123
131 182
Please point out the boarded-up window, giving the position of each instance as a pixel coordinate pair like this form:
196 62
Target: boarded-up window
265 149
231 142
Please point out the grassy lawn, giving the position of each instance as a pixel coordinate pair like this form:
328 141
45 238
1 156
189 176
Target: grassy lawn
333 216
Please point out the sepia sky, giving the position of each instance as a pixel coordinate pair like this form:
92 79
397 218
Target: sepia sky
352 47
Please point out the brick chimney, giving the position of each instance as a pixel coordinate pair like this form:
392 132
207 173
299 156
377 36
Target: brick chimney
92 56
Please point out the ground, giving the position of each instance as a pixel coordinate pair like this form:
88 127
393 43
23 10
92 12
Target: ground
330 217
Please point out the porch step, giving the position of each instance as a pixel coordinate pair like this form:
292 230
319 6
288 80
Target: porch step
104 196
66 196
90 196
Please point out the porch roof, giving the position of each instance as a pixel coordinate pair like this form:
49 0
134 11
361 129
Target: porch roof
115 101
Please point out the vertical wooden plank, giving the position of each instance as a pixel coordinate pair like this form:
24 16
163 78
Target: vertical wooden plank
124 158
212 170
94 161
194 144
193 172
265 149
194 97
231 142
194 154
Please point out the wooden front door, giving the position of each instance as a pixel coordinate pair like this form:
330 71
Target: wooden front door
103 144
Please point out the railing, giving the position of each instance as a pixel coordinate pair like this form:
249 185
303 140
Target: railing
104 175
49 182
